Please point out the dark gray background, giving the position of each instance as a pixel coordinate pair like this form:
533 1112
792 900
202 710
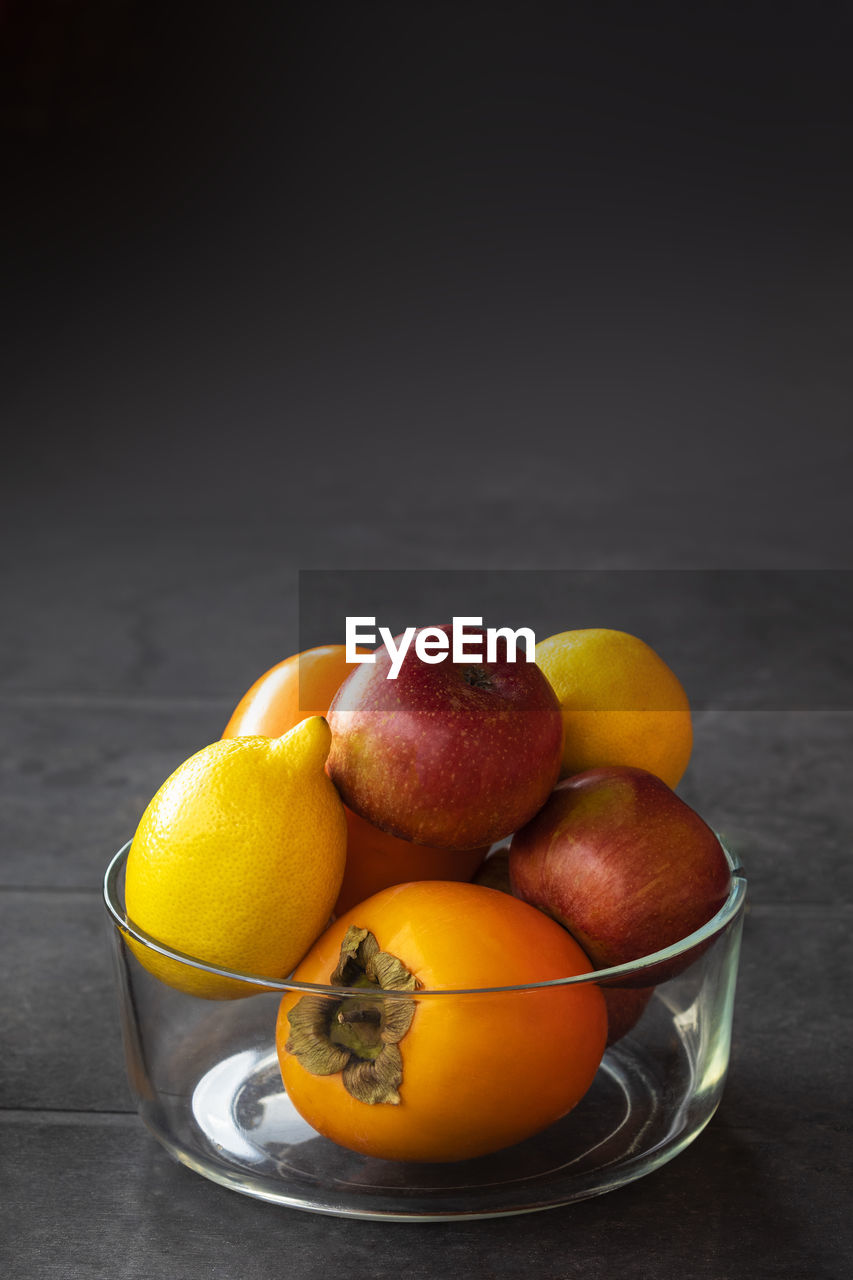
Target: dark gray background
418 286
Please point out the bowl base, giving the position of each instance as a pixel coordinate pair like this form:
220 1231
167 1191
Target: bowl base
244 1133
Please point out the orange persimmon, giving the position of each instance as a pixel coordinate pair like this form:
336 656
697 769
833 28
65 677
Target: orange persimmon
421 1063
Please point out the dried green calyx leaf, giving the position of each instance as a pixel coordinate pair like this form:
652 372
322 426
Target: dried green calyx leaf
357 1035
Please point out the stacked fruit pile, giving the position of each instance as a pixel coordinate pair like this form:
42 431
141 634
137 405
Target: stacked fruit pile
464 826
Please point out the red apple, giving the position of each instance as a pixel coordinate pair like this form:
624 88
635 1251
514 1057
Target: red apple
625 1005
450 754
624 864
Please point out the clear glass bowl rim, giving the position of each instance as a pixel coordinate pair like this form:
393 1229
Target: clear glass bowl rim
717 924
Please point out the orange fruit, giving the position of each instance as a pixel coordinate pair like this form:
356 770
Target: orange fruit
376 859
621 703
300 686
304 685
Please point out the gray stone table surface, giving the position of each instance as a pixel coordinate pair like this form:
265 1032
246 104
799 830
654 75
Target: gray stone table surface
422 288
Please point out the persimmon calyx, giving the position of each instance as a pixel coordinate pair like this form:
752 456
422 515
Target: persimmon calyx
357 1036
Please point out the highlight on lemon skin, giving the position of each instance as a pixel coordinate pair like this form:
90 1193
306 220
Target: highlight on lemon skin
621 703
238 860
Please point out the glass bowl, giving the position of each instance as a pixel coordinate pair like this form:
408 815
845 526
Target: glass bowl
206 1080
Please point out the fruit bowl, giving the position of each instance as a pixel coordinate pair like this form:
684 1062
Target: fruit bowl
205 1077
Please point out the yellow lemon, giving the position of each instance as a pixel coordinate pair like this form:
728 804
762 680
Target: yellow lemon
238 860
621 703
